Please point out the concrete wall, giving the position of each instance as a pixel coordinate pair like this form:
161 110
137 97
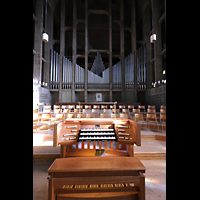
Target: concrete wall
130 96
155 96
92 96
66 96
40 95
79 96
54 98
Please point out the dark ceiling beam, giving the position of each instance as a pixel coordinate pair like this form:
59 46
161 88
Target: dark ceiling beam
98 12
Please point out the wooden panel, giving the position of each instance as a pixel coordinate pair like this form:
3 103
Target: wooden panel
55 135
95 180
137 132
68 129
108 196
97 164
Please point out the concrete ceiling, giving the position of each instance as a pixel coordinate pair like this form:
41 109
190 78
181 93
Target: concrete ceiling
97 4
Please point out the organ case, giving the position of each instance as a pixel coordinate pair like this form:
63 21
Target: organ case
81 137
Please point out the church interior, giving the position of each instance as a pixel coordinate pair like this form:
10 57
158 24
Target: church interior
99 99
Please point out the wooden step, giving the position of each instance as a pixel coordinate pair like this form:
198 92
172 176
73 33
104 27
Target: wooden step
153 137
150 156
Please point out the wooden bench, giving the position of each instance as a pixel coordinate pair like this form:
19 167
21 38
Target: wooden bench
96 178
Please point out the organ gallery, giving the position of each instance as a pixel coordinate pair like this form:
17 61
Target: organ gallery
99 98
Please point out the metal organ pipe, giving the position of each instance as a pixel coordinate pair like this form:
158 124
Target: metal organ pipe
51 69
138 67
56 70
70 74
144 66
141 75
64 74
94 80
79 77
141 67
129 71
67 73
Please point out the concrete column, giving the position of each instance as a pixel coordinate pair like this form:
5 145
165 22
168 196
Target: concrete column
62 45
146 35
122 48
37 71
74 45
157 44
86 49
48 45
110 50
133 43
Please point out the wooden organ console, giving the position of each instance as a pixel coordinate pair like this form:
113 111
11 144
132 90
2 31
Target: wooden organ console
84 137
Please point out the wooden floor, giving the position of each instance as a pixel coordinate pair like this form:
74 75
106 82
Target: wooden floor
153 146
155 179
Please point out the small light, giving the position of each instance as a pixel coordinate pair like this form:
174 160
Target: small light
45 37
40 82
164 71
153 38
158 81
165 81
162 80
154 85
45 84
36 81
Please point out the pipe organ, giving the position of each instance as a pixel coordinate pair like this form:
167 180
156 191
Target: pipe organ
54 70
79 77
129 71
67 74
141 67
97 79
82 136
117 78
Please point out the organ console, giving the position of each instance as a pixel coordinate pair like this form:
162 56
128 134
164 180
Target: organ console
81 137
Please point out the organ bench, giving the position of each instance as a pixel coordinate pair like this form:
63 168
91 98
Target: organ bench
96 178
85 136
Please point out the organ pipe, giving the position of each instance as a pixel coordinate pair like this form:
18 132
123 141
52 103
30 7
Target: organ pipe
54 68
51 69
94 80
141 67
145 66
